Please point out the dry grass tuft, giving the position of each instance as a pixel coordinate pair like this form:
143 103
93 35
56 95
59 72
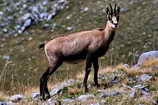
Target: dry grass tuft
150 63
73 91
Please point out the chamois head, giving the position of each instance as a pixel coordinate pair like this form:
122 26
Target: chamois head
113 16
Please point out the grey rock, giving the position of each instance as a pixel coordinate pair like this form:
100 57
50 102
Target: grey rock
139 86
5 30
147 56
6 57
95 104
25 17
69 28
50 16
3 25
28 14
85 97
144 91
34 9
133 93
16 98
1 13
55 91
136 1
47 16
35 96
84 9
30 0
26 24
123 10
24 6
46 26
108 94
126 65
68 100
43 16
52 102
6 103
144 77
44 3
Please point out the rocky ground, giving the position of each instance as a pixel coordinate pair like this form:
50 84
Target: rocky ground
120 85
19 15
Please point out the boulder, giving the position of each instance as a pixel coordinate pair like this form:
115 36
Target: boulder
147 56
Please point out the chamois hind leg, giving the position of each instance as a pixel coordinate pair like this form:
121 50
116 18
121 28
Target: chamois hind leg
96 67
87 71
44 80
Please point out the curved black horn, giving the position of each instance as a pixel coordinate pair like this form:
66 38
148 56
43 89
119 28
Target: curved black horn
115 9
118 10
107 11
111 9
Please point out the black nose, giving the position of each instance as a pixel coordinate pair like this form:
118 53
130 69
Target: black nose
116 25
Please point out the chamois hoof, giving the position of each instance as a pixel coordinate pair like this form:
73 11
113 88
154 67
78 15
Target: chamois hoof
86 90
97 85
47 97
44 98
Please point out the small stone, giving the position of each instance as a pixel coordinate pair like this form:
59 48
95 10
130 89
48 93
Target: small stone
108 94
55 91
24 6
44 3
52 102
46 26
123 10
69 28
133 93
26 24
35 96
5 30
6 103
85 97
139 86
126 65
68 17
44 16
95 104
6 57
25 17
1 13
145 77
17 98
85 9
68 100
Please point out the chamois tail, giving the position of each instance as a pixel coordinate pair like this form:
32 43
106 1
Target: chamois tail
41 45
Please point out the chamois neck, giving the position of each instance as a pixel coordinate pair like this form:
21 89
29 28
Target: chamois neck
109 31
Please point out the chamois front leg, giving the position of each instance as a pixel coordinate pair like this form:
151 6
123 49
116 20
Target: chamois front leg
96 67
87 71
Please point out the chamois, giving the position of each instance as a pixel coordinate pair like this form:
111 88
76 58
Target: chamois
84 45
